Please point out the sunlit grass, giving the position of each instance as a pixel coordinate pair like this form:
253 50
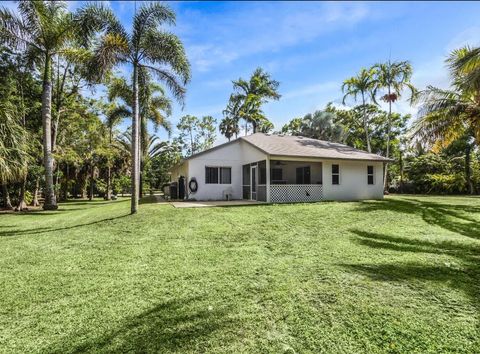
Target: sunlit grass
399 275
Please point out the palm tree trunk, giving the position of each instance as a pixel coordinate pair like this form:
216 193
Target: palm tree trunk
7 204
385 174
109 171
22 205
135 142
365 125
140 189
92 175
468 175
35 193
50 199
55 130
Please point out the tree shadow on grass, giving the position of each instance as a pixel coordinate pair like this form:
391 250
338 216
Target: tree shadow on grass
39 230
464 276
450 217
179 325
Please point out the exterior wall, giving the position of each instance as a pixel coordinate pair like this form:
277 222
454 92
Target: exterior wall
353 174
353 180
234 155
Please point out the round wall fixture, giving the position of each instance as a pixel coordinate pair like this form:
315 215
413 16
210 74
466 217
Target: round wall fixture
193 185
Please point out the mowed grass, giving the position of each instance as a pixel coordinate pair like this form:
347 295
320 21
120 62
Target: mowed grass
400 275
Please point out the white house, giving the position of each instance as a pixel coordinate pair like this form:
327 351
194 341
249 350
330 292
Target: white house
281 168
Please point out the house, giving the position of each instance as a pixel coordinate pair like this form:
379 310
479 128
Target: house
281 168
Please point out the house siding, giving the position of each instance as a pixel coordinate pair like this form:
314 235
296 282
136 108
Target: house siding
234 155
353 174
353 180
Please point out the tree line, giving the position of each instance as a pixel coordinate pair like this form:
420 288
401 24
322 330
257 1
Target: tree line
57 141
59 53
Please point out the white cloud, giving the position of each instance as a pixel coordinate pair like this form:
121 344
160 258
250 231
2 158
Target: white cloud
470 37
261 28
315 89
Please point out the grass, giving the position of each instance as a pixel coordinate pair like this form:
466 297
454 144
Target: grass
399 275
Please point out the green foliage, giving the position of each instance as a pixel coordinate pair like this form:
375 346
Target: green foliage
195 135
249 96
319 125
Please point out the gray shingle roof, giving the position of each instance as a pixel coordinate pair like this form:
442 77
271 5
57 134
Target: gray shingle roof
299 146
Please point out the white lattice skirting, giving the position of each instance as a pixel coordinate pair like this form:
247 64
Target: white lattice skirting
287 193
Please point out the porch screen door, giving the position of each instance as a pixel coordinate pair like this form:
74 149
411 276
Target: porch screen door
253 184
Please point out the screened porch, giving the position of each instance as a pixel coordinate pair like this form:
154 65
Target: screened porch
287 181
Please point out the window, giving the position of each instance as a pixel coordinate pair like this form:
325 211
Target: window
370 175
246 175
262 172
277 174
216 175
303 175
211 175
225 175
335 174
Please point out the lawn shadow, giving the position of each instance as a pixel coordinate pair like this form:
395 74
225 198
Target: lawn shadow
464 276
447 216
172 326
38 230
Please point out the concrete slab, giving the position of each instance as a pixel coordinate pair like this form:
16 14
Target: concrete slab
216 203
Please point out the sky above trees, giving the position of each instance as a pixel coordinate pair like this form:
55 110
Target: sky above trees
309 47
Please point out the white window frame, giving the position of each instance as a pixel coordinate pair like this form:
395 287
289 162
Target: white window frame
219 174
371 174
335 174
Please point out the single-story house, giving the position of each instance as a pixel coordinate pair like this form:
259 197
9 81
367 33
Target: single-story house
281 168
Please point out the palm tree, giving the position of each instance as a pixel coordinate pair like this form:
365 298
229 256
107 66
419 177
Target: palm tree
115 114
253 94
448 115
364 85
265 126
147 47
232 114
155 107
45 29
320 125
13 150
392 78
229 127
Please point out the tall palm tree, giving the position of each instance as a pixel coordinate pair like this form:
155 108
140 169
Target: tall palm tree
252 94
229 127
392 78
45 29
232 114
115 114
362 85
155 107
158 51
448 115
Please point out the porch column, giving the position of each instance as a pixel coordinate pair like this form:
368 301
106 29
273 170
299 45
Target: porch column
267 167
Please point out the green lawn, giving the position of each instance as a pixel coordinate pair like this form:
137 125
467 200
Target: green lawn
399 275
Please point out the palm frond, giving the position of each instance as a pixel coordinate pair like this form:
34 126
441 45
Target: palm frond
112 49
91 19
148 17
14 33
171 81
166 49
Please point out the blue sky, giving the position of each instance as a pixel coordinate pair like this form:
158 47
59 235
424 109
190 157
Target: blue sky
310 47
